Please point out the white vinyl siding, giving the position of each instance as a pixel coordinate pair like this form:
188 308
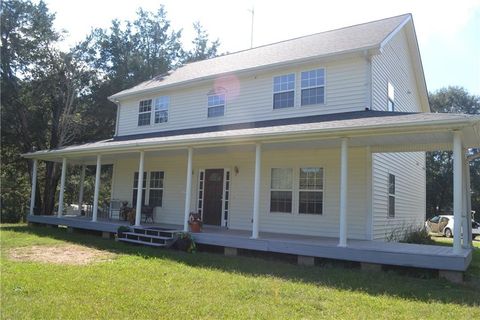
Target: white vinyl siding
410 189
394 65
250 98
241 188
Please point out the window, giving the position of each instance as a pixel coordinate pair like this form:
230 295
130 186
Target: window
391 195
155 196
310 191
135 188
313 87
161 109
144 112
391 97
284 91
281 190
216 105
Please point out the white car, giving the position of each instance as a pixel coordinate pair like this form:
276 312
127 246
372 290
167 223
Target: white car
443 225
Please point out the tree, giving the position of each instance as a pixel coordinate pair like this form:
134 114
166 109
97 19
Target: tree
440 164
201 50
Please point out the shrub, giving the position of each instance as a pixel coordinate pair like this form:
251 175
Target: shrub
410 234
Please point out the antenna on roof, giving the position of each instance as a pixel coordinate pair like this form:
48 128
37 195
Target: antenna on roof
252 11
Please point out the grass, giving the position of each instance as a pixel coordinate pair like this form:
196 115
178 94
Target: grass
154 283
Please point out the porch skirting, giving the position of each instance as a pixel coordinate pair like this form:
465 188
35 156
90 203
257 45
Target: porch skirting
366 251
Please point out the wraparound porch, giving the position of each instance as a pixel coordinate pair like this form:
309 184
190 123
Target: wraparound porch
363 251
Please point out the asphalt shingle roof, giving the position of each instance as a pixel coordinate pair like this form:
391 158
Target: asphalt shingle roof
358 37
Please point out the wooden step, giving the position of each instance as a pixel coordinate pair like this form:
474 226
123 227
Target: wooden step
143 235
152 244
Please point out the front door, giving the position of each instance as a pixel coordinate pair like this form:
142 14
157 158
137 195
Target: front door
212 208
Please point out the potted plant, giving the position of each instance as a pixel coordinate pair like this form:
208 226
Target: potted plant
121 230
195 222
184 242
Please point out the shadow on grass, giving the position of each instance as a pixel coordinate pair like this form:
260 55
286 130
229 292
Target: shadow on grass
381 283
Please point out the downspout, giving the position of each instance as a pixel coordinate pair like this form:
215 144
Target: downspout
117 103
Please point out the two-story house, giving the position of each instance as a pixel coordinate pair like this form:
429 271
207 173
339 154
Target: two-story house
319 140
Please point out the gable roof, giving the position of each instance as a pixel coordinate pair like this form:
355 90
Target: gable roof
366 36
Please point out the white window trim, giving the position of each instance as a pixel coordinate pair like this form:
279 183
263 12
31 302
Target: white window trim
152 112
282 91
311 190
214 106
144 112
296 190
147 186
391 195
324 86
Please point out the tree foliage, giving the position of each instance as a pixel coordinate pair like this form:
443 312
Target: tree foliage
440 164
51 98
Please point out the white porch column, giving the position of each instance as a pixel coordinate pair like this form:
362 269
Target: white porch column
256 190
80 191
34 186
188 190
138 209
62 187
457 191
467 243
343 192
97 188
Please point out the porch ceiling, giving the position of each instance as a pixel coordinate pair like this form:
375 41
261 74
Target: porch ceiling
396 133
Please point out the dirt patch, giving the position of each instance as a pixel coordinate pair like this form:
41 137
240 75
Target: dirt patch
60 254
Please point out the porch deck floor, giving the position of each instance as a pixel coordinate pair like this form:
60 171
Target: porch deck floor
380 252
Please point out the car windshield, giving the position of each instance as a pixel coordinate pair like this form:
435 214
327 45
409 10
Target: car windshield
435 219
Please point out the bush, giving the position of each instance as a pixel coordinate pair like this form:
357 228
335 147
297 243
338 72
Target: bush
410 234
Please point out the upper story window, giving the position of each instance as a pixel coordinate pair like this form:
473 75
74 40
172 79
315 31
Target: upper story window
161 109
391 97
144 112
313 87
159 113
216 105
284 91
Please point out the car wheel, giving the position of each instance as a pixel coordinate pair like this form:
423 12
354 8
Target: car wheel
448 233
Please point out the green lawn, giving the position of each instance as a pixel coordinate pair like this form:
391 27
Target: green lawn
163 284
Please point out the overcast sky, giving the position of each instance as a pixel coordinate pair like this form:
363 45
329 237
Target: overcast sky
448 31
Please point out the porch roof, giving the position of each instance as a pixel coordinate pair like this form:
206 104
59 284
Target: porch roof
383 131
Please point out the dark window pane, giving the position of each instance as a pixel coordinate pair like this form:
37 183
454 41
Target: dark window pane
216 111
281 201
134 199
143 119
313 96
391 206
391 184
310 202
156 197
283 100
161 116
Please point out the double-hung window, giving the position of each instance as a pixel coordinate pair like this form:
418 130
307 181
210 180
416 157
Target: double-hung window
281 190
155 197
161 109
391 97
216 105
144 112
284 91
313 87
391 195
310 192
135 188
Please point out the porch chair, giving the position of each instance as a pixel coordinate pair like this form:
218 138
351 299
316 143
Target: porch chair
114 209
147 213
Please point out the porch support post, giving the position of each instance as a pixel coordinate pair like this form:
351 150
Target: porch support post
97 188
468 196
188 189
343 192
138 209
80 191
62 187
34 186
256 190
457 191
